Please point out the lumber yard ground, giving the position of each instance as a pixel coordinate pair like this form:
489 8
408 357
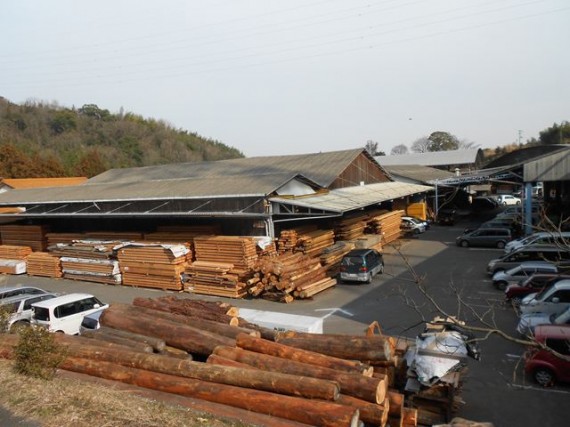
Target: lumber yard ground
495 388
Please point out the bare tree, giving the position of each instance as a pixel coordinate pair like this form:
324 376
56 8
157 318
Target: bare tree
399 149
421 145
465 144
371 147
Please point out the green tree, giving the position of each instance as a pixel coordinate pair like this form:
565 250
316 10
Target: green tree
442 141
90 164
556 134
63 121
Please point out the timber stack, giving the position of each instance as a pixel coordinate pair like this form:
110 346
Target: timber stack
88 260
13 258
33 236
387 224
148 265
213 278
44 264
351 227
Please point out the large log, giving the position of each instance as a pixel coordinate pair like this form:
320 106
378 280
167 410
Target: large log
275 382
366 349
366 388
260 345
133 344
156 343
184 337
214 359
308 411
207 325
371 413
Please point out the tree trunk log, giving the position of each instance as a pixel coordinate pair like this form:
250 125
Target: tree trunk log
366 388
184 337
214 359
155 343
259 345
371 413
365 349
127 342
308 411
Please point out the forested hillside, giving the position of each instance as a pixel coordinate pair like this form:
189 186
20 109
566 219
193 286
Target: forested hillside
45 140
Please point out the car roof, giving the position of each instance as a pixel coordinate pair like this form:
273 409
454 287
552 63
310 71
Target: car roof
21 297
62 300
543 247
13 288
531 264
552 331
359 252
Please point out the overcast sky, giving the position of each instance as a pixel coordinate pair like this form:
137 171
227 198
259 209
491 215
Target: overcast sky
273 77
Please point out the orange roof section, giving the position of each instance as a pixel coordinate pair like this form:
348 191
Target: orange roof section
22 183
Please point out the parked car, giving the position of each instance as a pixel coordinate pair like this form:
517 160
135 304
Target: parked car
412 226
508 200
545 367
19 290
516 292
483 204
528 322
552 299
502 279
20 308
91 321
361 265
489 237
447 216
426 222
65 313
540 238
550 253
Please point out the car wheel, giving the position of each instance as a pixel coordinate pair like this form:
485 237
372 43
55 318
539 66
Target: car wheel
464 244
501 245
501 285
369 278
518 203
544 377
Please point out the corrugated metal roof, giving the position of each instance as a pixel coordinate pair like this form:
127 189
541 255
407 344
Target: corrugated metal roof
350 198
417 172
555 167
205 187
322 168
432 158
20 183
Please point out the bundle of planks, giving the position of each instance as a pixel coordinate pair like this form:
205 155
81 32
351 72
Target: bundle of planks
88 260
13 258
290 275
236 250
369 241
388 225
182 233
151 265
213 278
332 256
314 242
289 239
33 236
351 227
44 264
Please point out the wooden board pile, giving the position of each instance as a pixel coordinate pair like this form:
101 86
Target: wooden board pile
181 233
289 276
213 278
242 371
44 264
351 227
369 241
13 258
33 236
289 239
90 261
148 265
332 256
387 224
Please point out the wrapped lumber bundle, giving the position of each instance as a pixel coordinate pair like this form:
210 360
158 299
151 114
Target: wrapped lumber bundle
33 236
44 264
213 278
351 227
150 265
13 258
88 260
388 225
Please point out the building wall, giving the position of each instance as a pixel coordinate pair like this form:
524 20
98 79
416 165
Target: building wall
362 169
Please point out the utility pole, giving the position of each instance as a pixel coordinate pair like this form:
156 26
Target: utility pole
520 136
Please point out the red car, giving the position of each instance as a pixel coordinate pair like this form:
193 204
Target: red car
515 293
545 367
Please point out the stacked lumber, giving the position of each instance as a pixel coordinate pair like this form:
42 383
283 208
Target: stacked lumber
351 227
88 260
278 278
150 265
213 278
13 258
418 210
288 239
33 236
369 241
388 225
182 233
332 256
44 264
55 238
115 236
239 251
313 243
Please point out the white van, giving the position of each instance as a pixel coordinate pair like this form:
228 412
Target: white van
540 238
65 313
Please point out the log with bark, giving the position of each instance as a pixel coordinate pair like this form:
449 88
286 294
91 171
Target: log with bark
309 411
366 388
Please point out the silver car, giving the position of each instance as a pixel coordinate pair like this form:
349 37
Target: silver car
529 321
552 299
19 308
502 279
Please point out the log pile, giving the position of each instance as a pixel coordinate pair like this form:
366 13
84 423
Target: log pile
13 258
44 264
311 243
158 266
33 236
287 276
288 239
90 261
387 224
288 384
